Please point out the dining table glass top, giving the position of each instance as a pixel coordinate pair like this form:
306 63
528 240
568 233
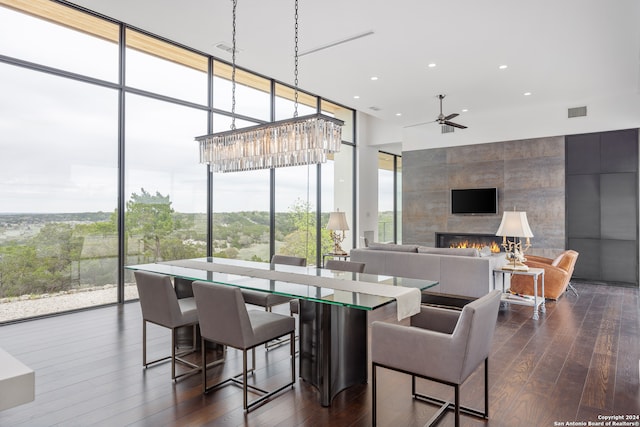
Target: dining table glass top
309 283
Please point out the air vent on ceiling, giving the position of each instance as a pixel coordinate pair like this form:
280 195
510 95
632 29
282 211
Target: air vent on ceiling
577 112
226 47
374 108
448 129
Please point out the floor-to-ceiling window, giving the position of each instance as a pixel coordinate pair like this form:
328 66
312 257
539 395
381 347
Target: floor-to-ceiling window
295 187
58 165
165 188
165 213
97 127
389 197
337 179
241 200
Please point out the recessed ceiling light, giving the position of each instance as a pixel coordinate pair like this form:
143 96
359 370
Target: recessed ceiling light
432 65
464 110
356 96
503 67
398 114
527 93
374 78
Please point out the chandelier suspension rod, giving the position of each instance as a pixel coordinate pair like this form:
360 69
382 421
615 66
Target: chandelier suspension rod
233 66
295 62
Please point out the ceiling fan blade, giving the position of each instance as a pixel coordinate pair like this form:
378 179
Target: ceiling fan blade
419 124
451 116
455 125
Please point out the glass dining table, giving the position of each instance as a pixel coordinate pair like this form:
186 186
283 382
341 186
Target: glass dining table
333 324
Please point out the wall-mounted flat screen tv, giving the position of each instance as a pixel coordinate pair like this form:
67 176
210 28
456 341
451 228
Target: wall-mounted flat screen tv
474 201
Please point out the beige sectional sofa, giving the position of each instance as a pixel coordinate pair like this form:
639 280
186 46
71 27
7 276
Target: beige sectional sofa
460 272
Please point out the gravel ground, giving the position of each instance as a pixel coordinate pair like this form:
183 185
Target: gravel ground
28 306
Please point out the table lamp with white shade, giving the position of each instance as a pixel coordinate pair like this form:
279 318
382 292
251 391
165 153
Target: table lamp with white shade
338 225
515 225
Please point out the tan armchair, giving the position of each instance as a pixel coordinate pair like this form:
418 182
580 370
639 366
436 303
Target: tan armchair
557 275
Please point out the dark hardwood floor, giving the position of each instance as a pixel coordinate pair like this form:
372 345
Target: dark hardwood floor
578 362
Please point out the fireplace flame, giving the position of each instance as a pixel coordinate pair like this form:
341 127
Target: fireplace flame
495 247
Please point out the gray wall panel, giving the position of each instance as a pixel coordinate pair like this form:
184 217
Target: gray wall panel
619 151
618 194
602 204
588 263
618 261
583 206
583 154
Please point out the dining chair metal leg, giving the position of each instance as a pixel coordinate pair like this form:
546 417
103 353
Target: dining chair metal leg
144 343
173 354
203 353
457 408
293 357
244 380
486 388
146 363
373 395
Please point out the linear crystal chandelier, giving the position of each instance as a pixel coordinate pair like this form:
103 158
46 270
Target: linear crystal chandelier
297 141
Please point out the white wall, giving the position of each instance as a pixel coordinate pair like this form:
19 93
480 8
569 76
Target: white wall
614 112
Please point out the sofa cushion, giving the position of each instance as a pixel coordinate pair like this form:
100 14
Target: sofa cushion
472 252
392 247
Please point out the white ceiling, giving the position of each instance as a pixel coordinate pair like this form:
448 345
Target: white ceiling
567 53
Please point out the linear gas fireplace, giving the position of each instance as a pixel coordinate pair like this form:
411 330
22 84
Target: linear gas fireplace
468 240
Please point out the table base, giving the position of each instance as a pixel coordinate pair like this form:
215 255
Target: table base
333 347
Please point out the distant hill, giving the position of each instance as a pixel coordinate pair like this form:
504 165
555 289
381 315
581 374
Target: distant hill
36 218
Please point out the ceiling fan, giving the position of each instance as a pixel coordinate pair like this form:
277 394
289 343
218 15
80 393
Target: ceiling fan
442 119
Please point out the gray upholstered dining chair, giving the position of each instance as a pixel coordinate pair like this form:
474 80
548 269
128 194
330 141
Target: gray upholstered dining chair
332 264
339 265
161 306
441 345
266 299
224 319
